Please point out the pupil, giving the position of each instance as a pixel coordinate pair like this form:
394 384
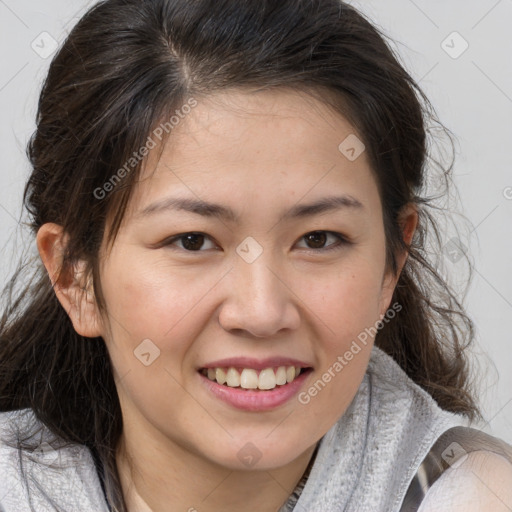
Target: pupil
317 237
193 242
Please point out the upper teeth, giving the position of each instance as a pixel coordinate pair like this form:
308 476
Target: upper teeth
248 378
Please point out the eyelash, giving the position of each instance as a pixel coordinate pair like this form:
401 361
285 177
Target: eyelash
342 241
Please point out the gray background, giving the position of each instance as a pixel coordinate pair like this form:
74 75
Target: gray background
471 91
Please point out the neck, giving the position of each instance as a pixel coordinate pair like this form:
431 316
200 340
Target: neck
178 480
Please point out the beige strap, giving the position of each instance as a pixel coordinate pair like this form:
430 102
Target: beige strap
450 449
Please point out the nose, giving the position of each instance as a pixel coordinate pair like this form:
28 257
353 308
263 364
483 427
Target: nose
259 300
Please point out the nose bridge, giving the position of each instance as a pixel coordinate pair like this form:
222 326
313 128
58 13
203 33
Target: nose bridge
257 300
253 268
261 283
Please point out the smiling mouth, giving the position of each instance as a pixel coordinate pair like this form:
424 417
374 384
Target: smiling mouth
250 379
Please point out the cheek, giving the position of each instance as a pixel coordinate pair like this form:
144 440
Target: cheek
348 299
346 309
137 303
157 301
148 297
151 317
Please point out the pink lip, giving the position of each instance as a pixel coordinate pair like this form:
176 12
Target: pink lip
256 364
249 400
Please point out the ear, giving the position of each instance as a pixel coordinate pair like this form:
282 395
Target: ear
70 284
408 221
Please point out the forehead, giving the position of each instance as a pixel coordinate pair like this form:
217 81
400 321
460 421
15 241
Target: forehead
253 118
268 142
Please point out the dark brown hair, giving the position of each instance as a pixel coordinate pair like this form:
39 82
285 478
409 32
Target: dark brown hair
127 65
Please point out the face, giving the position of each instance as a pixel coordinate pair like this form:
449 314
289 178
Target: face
272 283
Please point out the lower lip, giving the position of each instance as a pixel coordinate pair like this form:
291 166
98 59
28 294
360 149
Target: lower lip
248 400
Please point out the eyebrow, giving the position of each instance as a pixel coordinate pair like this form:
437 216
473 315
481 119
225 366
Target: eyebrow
207 209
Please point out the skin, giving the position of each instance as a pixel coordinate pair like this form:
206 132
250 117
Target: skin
482 482
259 154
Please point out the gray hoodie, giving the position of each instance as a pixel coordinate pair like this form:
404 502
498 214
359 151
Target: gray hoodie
364 463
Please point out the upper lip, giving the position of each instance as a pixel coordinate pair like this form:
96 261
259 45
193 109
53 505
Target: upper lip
256 364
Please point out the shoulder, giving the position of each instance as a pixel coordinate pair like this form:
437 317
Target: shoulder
14 426
36 466
482 482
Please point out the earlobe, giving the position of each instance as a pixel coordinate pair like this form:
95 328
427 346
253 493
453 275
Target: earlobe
72 288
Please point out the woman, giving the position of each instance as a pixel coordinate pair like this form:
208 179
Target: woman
234 310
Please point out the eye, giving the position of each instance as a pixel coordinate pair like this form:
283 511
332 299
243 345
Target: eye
318 239
194 241
191 242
